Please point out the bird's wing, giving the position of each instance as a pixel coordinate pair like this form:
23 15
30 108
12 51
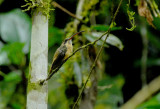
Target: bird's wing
58 57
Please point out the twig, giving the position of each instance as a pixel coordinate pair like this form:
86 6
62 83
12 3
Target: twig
78 49
93 65
55 4
84 46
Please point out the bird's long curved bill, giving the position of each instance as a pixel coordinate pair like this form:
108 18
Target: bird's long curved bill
74 35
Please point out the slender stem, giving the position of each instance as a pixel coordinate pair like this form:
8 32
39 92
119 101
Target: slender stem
84 46
55 4
78 49
143 94
144 56
93 65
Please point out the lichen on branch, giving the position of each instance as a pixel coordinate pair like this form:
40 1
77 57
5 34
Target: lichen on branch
43 6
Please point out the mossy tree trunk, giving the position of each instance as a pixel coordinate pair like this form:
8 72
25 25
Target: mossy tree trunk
37 95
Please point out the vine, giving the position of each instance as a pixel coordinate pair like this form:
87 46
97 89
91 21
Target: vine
131 18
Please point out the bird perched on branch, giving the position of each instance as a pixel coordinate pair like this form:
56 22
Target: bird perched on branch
62 53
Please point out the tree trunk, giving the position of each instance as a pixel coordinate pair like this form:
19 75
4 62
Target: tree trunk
37 95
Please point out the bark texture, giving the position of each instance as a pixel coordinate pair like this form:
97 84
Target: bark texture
37 95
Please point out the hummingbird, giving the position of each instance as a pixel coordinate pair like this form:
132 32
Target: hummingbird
62 53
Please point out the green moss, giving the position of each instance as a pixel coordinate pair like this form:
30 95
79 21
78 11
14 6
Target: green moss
42 6
32 86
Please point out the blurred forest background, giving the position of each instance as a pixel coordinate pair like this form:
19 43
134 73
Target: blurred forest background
130 59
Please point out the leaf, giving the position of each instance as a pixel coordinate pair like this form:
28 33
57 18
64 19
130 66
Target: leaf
16 106
115 41
153 62
14 76
153 107
1 1
7 89
91 39
150 62
4 60
12 53
99 27
156 22
112 39
78 75
3 56
15 26
144 11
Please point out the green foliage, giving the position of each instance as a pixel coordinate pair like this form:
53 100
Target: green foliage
15 32
6 91
150 62
78 75
1 1
8 87
14 77
88 5
99 27
16 106
156 22
131 18
12 53
55 91
15 26
137 2
109 92
41 6
153 103
112 39
104 14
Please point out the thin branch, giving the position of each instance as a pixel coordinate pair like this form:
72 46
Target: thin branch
84 46
93 65
143 94
55 4
78 49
